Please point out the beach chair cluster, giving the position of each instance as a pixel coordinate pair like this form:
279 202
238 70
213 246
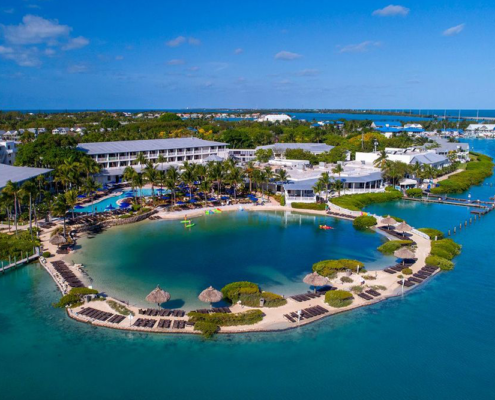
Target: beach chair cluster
399 267
116 319
310 295
153 312
307 313
154 217
336 214
69 276
417 278
96 314
144 323
224 310
399 235
369 294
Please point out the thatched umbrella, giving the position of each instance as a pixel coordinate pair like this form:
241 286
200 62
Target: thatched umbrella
57 240
403 227
158 296
404 253
389 221
315 280
210 295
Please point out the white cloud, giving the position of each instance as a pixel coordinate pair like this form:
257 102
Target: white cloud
75 43
360 47
238 51
391 11
176 42
77 69
176 61
287 56
194 41
24 57
34 30
119 58
179 40
8 10
193 68
308 72
49 51
455 30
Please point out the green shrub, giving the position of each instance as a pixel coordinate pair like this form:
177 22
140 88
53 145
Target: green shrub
232 291
398 219
249 317
282 201
364 222
346 279
46 254
378 287
391 246
357 202
357 289
338 298
329 268
442 263
74 297
476 171
414 192
83 291
445 248
432 233
369 277
309 206
407 271
121 309
271 299
208 329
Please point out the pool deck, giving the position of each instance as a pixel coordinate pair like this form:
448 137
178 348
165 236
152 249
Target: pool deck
274 319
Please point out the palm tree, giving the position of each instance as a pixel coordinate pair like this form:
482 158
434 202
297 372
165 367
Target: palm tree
258 179
172 178
12 190
28 189
60 208
235 177
216 173
141 158
282 175
138 181
151 175
90 186
268 176
205 187
89 166
326 182
6 202
249 173
161 159
380 161
338 169
189 176
71 200
318 187
338 185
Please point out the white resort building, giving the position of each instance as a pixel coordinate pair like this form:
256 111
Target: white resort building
114 157
274 118
8 150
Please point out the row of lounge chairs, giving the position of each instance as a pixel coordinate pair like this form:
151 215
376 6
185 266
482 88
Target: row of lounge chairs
144 323
417 278
310 295
307 313
369 294
96 314
67 274
154 217
399 267
116 319
225 310
399 235
153 312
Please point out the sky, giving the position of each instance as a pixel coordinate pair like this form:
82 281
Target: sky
255 54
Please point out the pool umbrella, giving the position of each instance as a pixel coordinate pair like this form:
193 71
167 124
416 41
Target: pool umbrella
109 207
389 221
210 295
224 198
78 207
193 201
124 205
404 253
57 240
180 203
212 199
314 279
158 296
403 227
81 196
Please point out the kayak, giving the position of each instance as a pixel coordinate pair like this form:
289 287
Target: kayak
189 226
186 221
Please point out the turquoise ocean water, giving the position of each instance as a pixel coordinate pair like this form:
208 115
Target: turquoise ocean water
435 343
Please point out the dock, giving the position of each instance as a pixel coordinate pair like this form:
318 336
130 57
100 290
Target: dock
17 263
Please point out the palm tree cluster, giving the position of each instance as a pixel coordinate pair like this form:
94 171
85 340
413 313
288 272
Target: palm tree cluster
394 171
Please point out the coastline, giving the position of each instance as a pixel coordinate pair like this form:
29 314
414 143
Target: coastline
274 320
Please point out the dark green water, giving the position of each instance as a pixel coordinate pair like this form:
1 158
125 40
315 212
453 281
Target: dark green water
435 343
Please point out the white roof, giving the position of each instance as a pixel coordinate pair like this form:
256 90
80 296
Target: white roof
312 147
19 174
274 118
481 127
144 145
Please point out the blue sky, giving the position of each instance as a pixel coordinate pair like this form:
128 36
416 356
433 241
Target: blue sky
257 54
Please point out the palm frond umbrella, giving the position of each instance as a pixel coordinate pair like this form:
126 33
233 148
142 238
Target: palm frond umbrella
403 227
57 240
210 295
314 279
404 253
158 296
389 221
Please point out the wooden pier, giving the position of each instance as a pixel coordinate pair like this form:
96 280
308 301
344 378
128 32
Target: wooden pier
18 263
453 202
